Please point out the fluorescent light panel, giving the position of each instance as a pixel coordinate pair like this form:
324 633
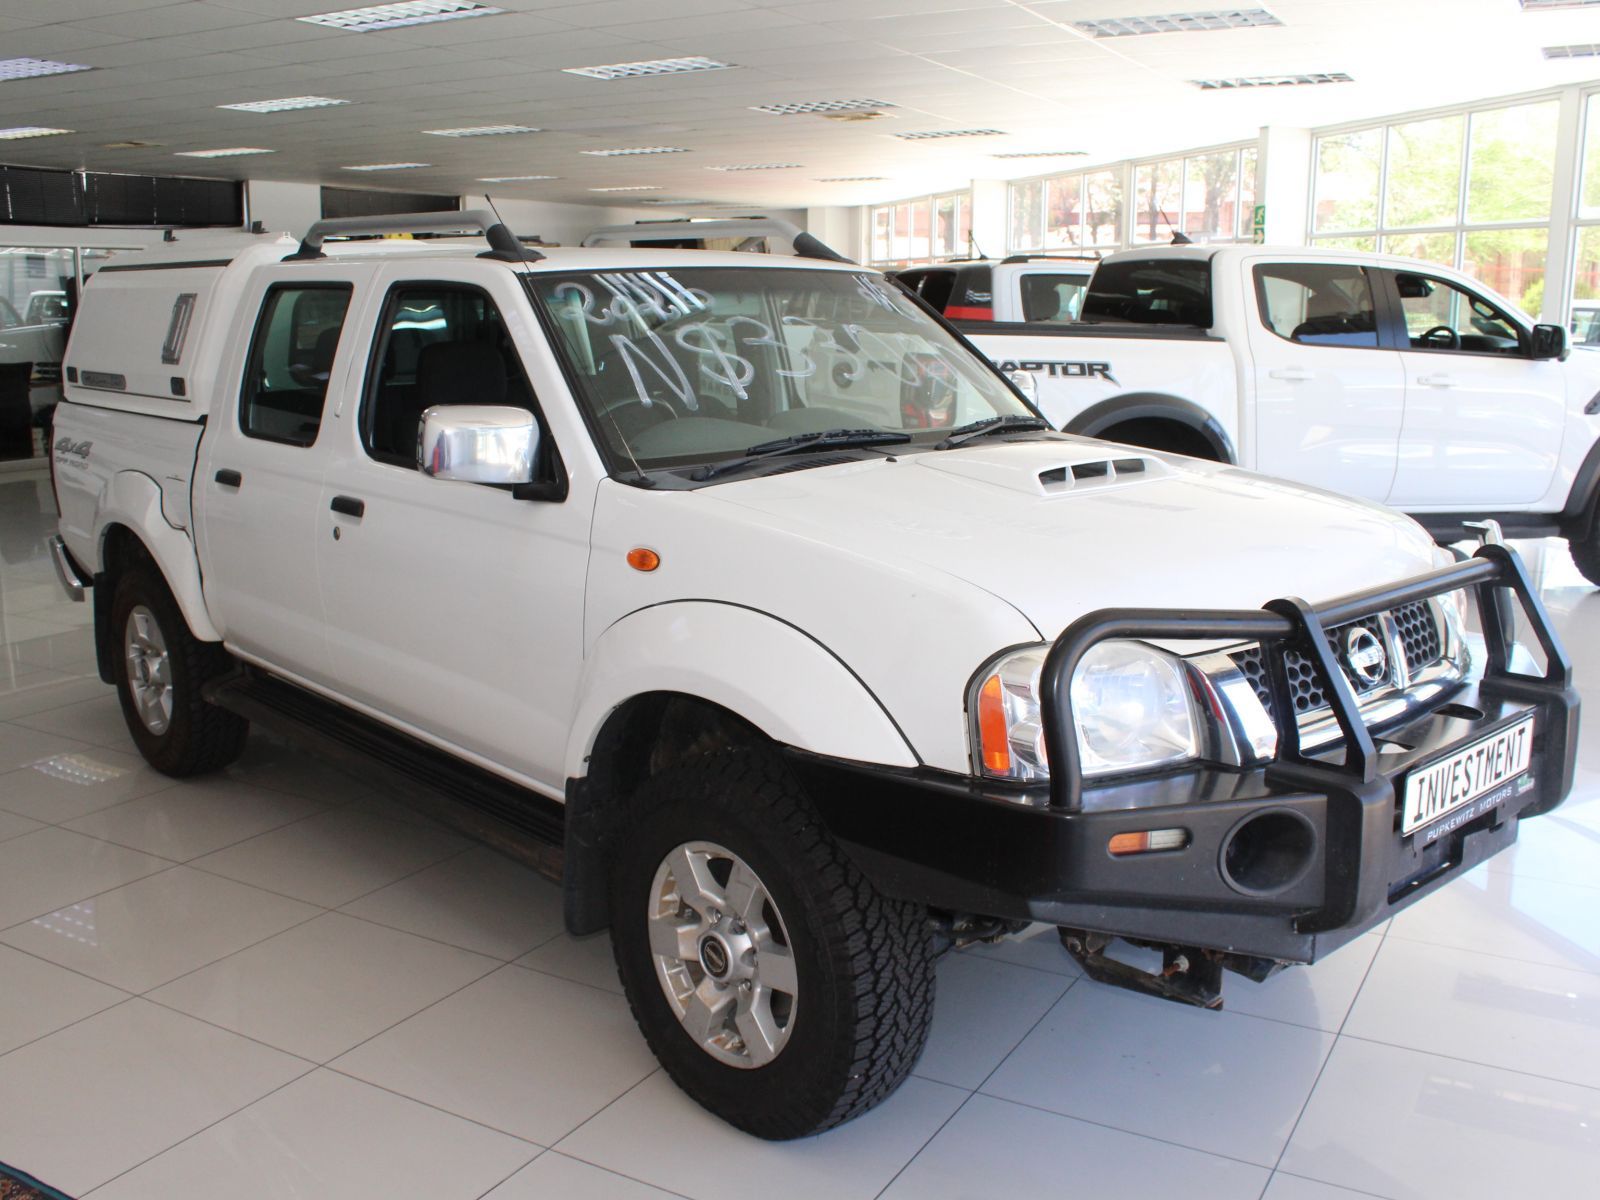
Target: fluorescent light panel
1537 5
33 68
1181 22
226 152
927 134
852 179
628 151
286 104
393 16
1260 81
482 131
819 106
759 167
1587 50
515 178
386 167
18 132
647 187
1042 154
654 66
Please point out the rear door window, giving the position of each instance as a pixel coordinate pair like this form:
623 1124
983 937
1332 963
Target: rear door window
291 359
1317 304
1170 291
1053 299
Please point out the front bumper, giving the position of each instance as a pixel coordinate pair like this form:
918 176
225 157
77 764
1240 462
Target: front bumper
953 842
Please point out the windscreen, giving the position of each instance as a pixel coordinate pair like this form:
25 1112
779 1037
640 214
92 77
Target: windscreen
692 365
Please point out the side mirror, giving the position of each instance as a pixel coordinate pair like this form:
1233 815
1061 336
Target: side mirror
1551 341
478 443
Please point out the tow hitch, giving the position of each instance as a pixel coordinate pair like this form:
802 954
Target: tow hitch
1188 975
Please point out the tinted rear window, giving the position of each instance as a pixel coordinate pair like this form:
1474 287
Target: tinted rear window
1173 292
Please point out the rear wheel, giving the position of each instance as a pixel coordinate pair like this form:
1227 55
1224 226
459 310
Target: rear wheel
778 988
160 669
1586 554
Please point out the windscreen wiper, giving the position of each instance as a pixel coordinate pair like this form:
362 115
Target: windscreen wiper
1013 423
800 443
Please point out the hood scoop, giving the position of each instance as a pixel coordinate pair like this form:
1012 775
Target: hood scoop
1038 470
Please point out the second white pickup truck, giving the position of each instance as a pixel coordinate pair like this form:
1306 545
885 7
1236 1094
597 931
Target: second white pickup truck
1379 377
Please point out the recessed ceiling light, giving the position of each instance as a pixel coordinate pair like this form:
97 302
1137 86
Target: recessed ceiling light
29 131
1538 4
1042 154
1588 50
1258 81
818 106
482 130
759 167
1182 22
647 187
515 178
286 104
677 203
654 66
408 12
631 150
386 167
32 68
925 134
226 152
852 179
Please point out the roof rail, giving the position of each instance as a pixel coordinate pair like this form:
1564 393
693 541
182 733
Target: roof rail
805 246
503 244
1022 258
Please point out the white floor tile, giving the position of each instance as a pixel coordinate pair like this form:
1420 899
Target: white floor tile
64 786
1316 996
333 857
1414 1126
97 1098
50 868
480 900
325 986
1497 1011
20 745
1512 916
1038 946
99 721
193 818
993 1148
350 1140
71 651
39 997
270 762
158 928
518 1051
45 689
585 960
1563 846
19 629
658 1135
1215 1081
983 1008
554 1176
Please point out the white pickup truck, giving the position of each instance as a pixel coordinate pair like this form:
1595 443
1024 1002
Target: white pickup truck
1393 380
738 593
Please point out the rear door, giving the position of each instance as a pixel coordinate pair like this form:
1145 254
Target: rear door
258 485
1483 420
1329 395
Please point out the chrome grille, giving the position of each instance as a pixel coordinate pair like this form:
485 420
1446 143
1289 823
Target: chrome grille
1419 634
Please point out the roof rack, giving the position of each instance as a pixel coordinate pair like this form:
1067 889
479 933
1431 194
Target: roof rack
805 246
503 244
1022 258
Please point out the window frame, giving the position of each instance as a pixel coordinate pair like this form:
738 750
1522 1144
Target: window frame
257 342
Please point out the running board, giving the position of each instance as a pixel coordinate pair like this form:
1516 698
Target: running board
513 819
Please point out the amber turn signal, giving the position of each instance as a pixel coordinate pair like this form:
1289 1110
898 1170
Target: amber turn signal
1148 841
992 736
641 559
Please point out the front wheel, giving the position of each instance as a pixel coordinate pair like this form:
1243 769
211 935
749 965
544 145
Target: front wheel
778 988
160 668
1586 554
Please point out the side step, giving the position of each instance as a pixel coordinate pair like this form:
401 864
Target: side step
521 823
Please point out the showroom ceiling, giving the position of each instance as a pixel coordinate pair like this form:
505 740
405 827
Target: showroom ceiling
962 87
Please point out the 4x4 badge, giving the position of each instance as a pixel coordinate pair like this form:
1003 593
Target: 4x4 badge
1365 656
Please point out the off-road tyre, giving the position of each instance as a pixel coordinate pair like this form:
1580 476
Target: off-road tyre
199 737
1586 554
863 962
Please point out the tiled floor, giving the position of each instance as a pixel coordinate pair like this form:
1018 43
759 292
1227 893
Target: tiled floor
276 983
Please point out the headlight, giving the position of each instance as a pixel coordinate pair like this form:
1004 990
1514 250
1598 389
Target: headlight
1130 701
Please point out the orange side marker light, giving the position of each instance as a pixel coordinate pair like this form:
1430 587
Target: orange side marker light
642 559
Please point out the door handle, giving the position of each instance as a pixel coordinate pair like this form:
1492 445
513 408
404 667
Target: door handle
1292 374
349 506
1438 381
228 478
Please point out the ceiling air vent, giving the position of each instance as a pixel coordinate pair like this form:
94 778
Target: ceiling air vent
926 134
1181 22
1263 81
820 107
1586 50
654 66
1537 5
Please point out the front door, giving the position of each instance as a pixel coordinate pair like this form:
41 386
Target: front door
452 608
1483 420
257 489
1329 395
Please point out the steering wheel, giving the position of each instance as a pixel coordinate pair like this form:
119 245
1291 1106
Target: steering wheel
1454 338
651 405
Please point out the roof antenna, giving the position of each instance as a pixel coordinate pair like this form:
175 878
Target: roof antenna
1180 238
503 243
972 246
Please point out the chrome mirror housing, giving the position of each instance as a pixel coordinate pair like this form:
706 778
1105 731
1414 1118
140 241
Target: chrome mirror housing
477 443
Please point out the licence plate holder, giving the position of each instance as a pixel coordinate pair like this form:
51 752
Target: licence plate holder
1466 783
